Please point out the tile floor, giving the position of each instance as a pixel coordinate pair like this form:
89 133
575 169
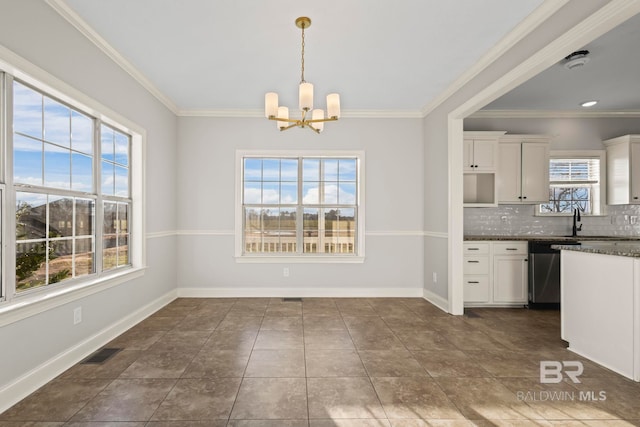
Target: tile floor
331 362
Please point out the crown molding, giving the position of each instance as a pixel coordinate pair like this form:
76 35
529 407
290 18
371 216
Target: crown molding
351 114
552 114
85 29
531 22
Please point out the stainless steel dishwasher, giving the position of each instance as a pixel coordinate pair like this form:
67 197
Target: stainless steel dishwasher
544 273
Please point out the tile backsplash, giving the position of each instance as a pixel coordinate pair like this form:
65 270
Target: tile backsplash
519 220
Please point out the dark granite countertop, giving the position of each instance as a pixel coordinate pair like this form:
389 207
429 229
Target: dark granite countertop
617 248
559 239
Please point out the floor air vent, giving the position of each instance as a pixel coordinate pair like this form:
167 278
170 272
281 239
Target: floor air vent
470 313
100 356
291 299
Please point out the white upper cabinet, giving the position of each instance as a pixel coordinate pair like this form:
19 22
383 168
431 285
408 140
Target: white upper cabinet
481 151
623 170
523 169
480 157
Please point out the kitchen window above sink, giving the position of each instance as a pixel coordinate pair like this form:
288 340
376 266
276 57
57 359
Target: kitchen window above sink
575 179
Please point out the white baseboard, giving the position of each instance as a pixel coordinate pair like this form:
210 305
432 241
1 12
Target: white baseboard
40 375
300 292
436 300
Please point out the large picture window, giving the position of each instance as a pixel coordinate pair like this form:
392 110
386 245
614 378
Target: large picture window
300 205
67 166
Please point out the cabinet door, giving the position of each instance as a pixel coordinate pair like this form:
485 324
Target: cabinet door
508 177
635 173
467 155
485 155
535 172
510 279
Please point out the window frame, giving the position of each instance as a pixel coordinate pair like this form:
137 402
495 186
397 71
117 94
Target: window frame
359 250
582 154
16 306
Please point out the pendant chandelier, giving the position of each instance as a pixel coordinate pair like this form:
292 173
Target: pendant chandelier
281 114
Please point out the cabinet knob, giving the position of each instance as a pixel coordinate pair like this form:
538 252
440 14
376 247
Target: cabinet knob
519 197
524 197
635 197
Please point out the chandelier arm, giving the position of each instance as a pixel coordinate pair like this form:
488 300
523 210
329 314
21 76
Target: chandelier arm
283 120
313 129
328 119
297 124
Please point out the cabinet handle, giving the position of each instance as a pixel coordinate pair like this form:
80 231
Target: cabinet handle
474 262
472 281
473 249
512 249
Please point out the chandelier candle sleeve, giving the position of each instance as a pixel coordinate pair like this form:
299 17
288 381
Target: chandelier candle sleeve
333 105
318 114
271 104
306 96
283 113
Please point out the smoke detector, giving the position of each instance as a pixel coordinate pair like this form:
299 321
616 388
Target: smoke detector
576 59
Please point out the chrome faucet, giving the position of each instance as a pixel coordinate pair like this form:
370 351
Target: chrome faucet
576 218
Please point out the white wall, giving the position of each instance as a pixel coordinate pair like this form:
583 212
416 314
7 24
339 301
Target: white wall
34 31
393 197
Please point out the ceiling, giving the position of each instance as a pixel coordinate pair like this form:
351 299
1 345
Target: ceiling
612 77
382 55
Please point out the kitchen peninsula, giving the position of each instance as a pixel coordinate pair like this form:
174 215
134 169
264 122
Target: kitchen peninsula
600 303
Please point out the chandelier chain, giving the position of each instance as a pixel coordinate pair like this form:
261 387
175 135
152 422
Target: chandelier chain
302 73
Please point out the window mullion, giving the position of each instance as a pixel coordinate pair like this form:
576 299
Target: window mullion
99 204
9 222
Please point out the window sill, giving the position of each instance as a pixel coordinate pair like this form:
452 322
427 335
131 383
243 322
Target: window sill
29 305
331 259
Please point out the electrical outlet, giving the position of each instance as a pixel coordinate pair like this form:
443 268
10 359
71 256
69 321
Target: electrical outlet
285 272
77 315
435 277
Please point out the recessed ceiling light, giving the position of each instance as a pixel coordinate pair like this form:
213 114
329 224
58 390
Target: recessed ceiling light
589 103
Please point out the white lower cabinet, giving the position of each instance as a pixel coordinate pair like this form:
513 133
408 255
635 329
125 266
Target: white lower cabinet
495 273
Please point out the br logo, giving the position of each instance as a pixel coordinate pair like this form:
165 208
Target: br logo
552 371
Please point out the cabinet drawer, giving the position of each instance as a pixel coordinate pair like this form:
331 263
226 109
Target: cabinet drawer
510 248
476 248
476 265
476 288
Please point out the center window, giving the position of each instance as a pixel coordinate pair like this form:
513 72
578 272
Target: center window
300 205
